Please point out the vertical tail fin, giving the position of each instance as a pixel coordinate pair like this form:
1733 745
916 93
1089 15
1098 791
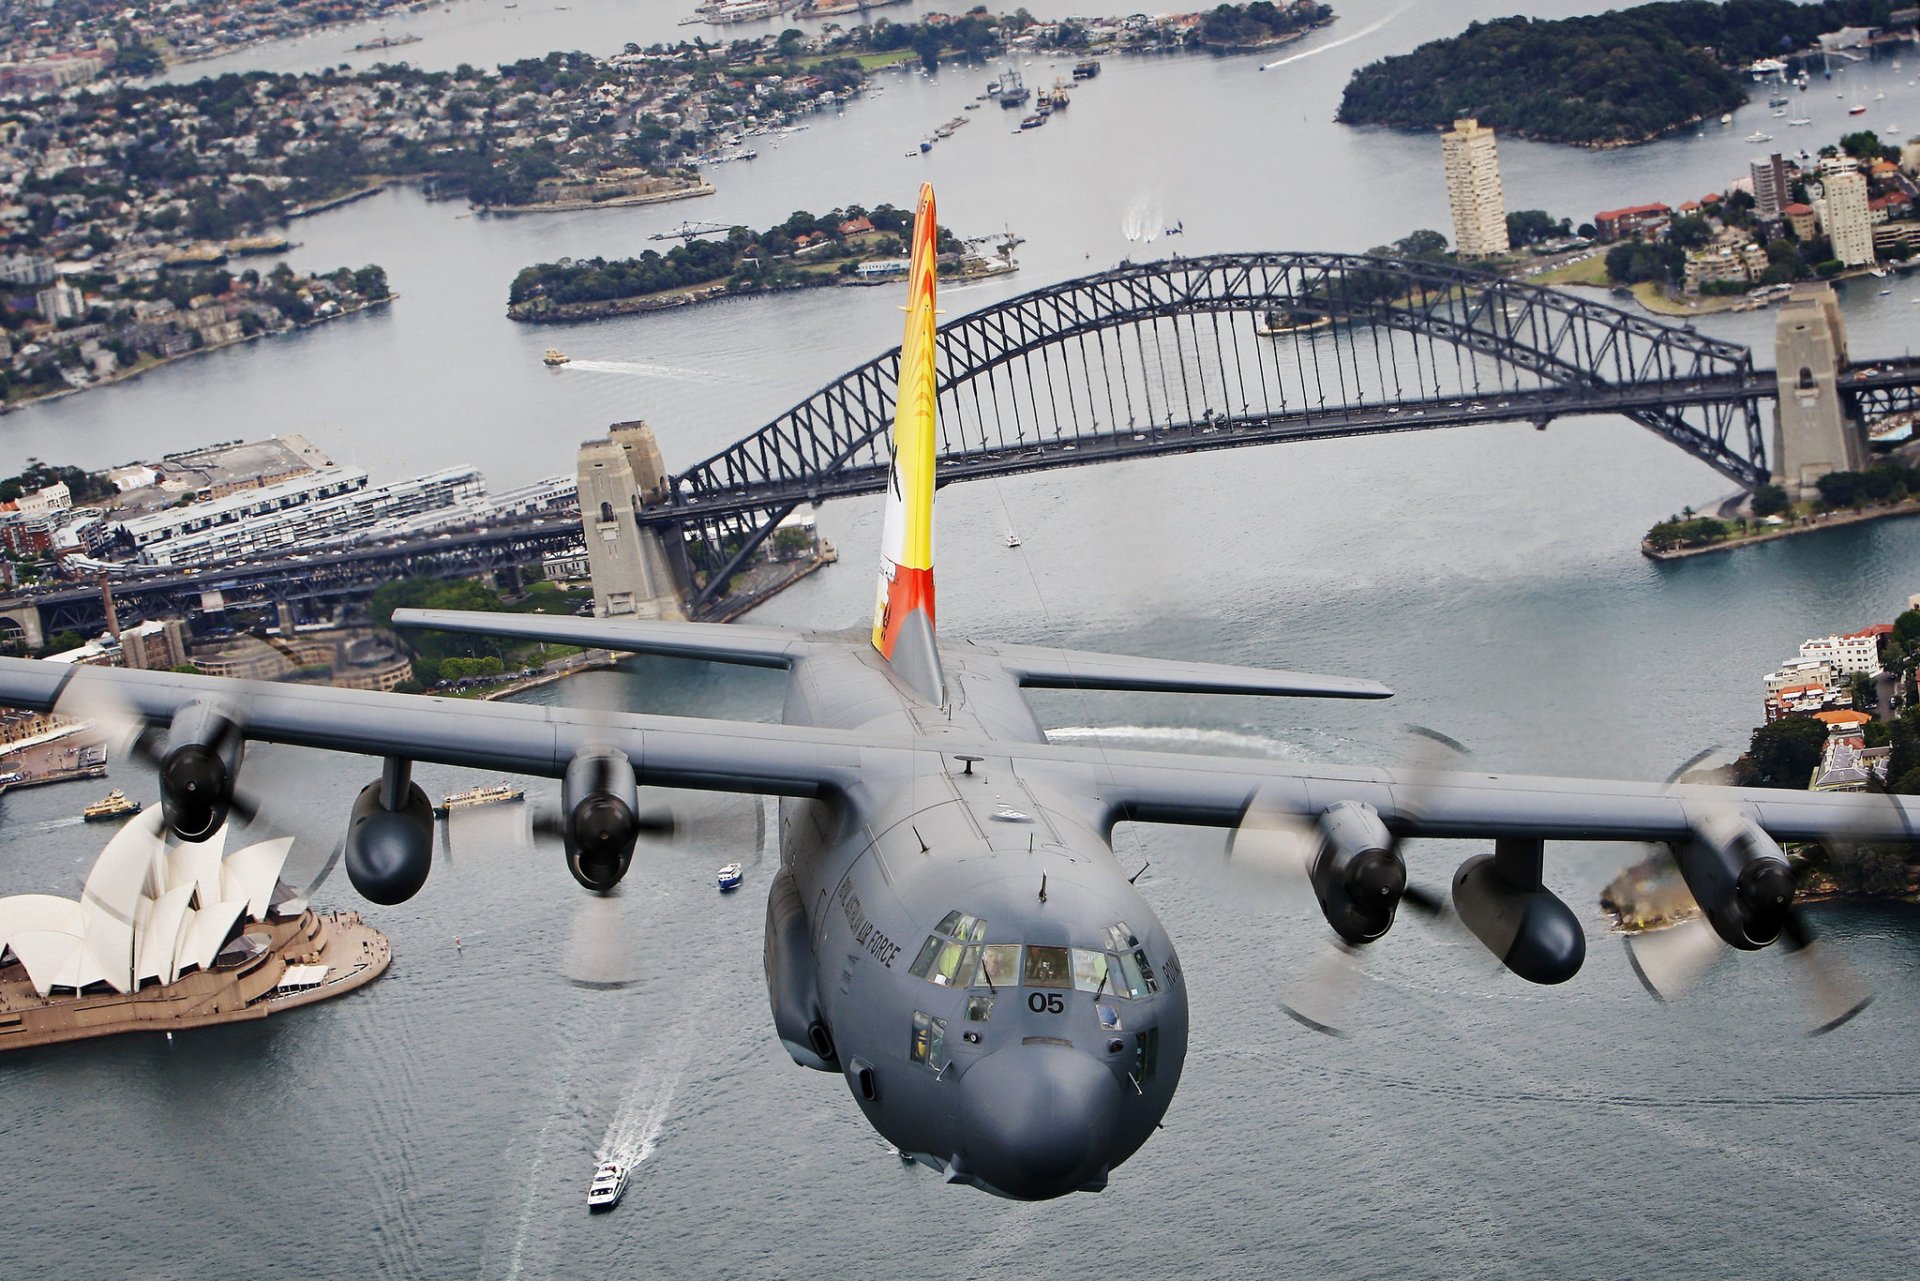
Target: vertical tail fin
903 609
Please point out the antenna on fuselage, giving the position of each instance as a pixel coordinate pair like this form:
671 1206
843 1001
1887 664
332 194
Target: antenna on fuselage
1134 879
1043 887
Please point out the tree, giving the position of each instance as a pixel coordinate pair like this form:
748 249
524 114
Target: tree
1690 232
1783 754
1770 500
1424 243
1864 145
1530 226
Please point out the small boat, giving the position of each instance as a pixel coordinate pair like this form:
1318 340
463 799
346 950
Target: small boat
608 1186
555 357
730 877
926 145
502 793
1758 136
1033 122
114 804
1727 119
1013 539
1856 110
1801 120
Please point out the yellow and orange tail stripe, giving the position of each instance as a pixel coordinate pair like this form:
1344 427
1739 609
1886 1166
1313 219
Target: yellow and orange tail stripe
906 547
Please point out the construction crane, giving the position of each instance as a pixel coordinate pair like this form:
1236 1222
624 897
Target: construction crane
692 231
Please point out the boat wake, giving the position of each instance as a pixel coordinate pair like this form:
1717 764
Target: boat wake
640 370
635 1129
1142 221
51 825
1361 34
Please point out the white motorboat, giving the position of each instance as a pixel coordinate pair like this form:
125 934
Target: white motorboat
730 877
608 1186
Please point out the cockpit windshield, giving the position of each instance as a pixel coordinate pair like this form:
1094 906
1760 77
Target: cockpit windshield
954 956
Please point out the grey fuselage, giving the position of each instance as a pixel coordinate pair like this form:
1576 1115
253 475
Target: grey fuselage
1029 1074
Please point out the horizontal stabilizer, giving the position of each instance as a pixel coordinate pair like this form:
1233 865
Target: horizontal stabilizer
713 642
1041 668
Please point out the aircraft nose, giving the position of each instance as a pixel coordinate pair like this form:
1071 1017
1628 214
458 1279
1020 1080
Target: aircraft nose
1040 1121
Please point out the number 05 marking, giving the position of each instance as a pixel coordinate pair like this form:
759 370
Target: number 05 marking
1046 1003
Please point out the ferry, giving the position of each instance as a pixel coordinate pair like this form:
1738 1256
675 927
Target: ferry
114 804
730 877
555 357
502 793
608 1186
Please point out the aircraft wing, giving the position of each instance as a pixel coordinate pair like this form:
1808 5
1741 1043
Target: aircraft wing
774 759
1216 792
668 751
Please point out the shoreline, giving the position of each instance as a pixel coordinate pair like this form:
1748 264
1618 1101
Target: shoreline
158 362
1808 526
717 291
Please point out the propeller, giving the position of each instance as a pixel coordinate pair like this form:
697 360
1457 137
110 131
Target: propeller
1350 862
196 763
1745 890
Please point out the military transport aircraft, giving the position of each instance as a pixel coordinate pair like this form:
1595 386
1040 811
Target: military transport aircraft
949 929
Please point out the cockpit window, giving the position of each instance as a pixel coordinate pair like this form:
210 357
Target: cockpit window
1120 937
943 958
1132 978
999 966
1047 967
929 1043
1090 971
954 963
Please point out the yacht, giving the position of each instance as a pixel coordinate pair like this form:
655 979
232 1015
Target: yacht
730 877
608 1186
1758 136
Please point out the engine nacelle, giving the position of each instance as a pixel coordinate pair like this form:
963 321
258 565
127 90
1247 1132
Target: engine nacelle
389 851
198 770
1357 875
1740 878
601 820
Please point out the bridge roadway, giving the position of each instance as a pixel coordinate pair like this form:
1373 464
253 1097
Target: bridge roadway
300 577
1227 431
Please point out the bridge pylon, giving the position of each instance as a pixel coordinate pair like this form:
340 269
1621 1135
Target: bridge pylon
633 576
1813 433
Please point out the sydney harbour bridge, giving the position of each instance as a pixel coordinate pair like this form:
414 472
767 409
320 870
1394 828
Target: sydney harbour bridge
1248 349
1170 357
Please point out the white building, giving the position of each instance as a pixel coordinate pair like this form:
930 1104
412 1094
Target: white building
1849 221
238 506
1473 190
1855 654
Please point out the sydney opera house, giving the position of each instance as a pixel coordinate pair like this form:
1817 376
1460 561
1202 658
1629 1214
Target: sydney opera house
165 937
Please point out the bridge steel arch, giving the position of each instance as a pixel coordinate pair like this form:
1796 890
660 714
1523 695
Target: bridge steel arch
1225 350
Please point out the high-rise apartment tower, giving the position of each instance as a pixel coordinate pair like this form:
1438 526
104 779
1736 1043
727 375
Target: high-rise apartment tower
1473 190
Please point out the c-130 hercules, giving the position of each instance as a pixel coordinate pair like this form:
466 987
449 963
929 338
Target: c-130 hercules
949 929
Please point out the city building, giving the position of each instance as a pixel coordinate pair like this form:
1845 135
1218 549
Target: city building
1800 219
1856 653
1849 221
1727 262
1473 189
1846 762
1611 225
158 645
234 507
1771 184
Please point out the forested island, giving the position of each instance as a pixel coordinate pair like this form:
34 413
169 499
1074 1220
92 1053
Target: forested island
1232 28
1608 79
854 245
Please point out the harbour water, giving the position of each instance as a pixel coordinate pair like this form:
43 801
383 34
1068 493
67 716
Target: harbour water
443 1122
